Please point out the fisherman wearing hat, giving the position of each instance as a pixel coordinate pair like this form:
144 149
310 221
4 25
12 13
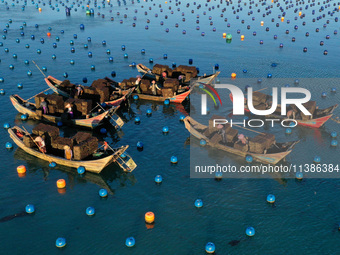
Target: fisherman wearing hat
41 144
138 82
68 152
154 87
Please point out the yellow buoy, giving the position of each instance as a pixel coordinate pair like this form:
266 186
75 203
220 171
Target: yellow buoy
282 19
149 217
242 37
21 169
233 75
224 35
262 23
39 9
61 183
300 13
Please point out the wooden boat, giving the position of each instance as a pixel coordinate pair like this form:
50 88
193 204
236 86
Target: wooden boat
147 73
92 165
28 108
274 154
319 117
54 84
175 99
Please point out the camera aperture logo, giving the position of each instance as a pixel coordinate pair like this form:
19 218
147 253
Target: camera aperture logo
242 104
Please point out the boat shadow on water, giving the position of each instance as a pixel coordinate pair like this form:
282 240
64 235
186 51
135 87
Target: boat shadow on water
111 174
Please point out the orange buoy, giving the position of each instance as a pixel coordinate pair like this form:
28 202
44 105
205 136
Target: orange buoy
282 19
300 13
242 37
21 169
224 35
262 23
48 34
40 9
233 75
61 183
149 217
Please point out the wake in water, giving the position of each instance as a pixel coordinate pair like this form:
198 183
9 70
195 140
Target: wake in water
11 217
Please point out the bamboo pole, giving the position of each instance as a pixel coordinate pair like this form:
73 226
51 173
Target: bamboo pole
37 94
39 68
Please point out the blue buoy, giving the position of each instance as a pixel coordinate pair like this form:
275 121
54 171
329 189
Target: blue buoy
29 208
29 73
323 94
60 242
137 119
130 242
181 117
81 170
20 86
288 131
333 90
198 203
334 143
270 198
103 131
24 117
2 92
269 75
103 193
148 111
135 97
334 134
90 211
245 71
123 155
165 56
7 125
259 80
126 55
317 159
59 124
250 231
299 175
203 142
9 145
165 129
93 67
173 160
140 145
249 159
52 164
210 247
166 101
158 179
150 60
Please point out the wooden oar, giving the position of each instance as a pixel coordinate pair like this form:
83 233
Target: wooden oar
36 143
37 94
39 68
115 121
249 129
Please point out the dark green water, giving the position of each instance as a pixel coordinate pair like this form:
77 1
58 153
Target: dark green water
306 215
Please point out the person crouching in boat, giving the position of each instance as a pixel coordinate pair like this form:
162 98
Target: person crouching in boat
69 111
41 144
68 152
242 138
154 87
80 90
43 106
138 83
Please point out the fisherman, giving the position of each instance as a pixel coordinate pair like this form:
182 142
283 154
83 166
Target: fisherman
43 105
138 83
68 152
41 144
242 138
69 110
80 90
221 131
154 87
106 146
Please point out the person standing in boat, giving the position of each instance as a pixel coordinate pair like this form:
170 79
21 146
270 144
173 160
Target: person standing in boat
43 106
154 87
41 144
80 90
69 110
68 152
138 83
221 131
